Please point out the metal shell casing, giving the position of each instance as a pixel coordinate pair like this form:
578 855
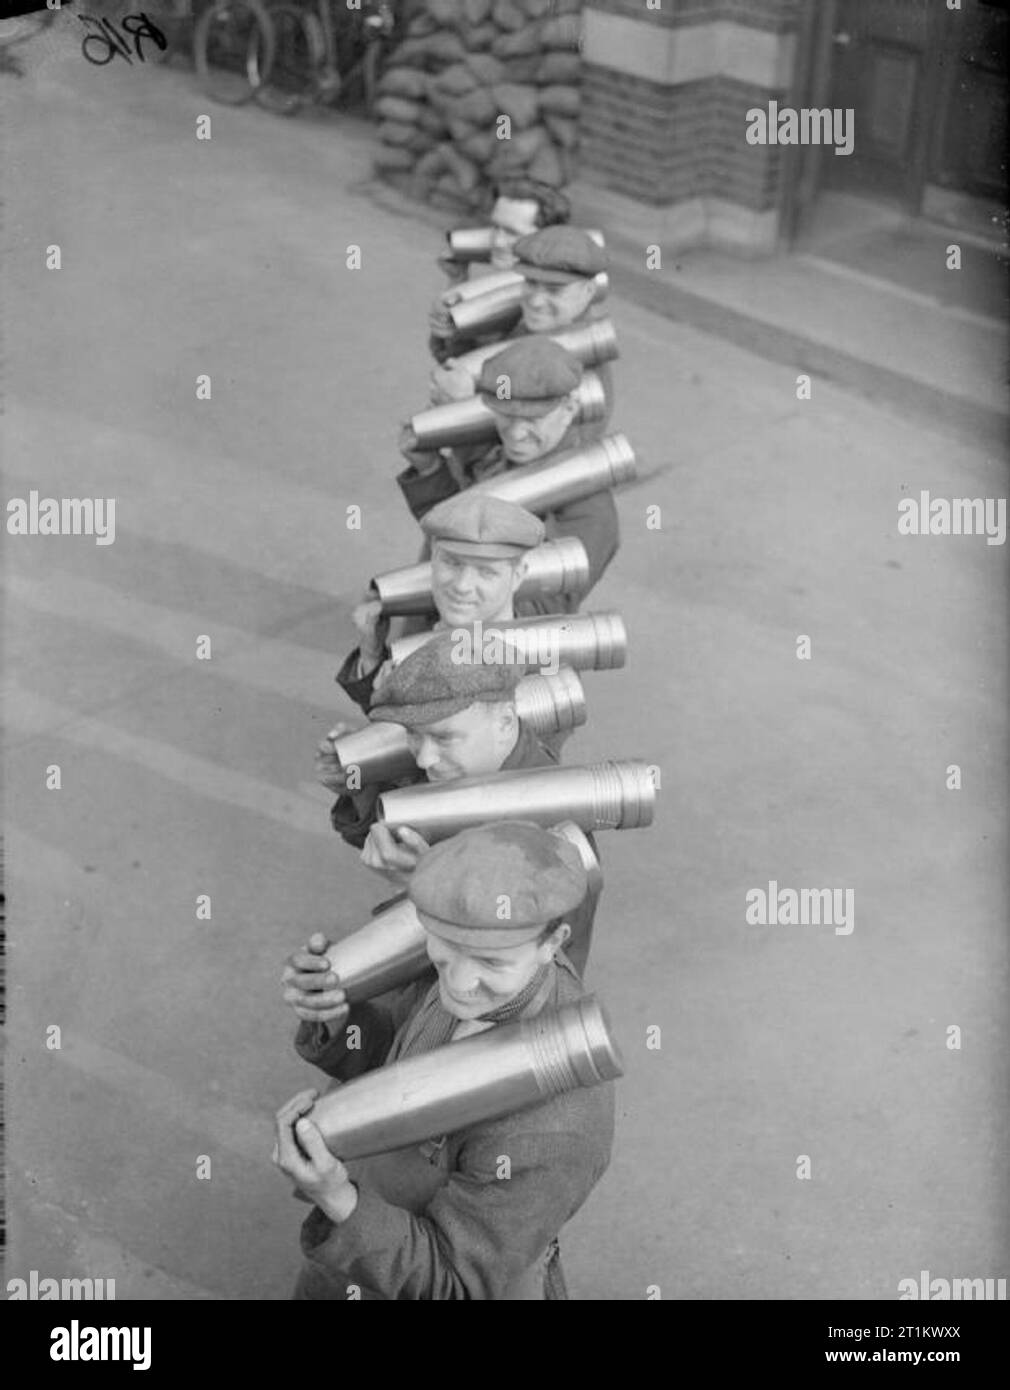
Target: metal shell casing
386 952
578 473
471 420
505 1069
480 313
584 641
592 343
476 243
600 796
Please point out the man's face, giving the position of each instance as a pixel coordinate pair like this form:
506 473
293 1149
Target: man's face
467 589
476 740
527 439
473 980
548 308
512 218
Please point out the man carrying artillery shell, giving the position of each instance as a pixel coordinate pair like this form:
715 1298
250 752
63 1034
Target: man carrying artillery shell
530 389
560 266
478 549
520 207
461 721
474 1213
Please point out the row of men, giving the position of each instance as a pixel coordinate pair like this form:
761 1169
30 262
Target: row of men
474 1213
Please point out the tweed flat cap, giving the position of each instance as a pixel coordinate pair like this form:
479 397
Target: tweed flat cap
497 884
559 255
441 679
483 526
540 374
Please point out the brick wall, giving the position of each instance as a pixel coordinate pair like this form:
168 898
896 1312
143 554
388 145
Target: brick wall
660 144
665 97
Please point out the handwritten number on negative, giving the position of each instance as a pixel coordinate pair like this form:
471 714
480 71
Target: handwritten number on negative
114 43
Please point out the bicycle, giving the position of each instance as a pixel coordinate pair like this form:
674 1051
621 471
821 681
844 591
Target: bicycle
18 29
284 54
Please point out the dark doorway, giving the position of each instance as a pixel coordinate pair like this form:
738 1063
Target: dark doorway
928 88
880 70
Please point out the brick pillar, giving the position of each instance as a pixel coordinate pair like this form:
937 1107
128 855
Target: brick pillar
664 102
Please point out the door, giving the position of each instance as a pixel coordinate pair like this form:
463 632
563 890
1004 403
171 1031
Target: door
880 69
968 150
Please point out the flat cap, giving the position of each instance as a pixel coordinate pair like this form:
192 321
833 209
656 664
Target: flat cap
487 527
559 255
540 375
440 679
497 884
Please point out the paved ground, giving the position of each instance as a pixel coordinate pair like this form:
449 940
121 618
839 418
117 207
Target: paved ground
182 777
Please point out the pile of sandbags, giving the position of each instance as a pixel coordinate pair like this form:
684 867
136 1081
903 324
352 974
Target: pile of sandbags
462 67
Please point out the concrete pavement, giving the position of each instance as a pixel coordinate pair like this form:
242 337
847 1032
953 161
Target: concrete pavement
183 777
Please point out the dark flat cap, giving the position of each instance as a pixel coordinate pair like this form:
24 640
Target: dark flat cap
539 374
497 884
559 255
441 679
483 526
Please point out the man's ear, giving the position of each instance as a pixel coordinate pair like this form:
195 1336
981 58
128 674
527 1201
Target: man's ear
519 568
570 407
586 293
508 719
550 947
559 937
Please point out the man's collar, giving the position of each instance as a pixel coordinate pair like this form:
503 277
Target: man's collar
519 753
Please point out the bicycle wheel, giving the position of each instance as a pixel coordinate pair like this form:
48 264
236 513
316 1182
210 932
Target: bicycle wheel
299 52
226 34
371 69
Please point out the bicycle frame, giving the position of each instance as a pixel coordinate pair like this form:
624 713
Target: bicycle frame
378 20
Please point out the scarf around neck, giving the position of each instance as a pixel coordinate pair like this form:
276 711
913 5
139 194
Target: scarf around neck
433 1026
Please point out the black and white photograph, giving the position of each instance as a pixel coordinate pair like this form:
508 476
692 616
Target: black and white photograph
505 665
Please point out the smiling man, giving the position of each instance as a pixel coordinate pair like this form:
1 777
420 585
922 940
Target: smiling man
560 265
461 721
477 546
530 388
520 206
475 1214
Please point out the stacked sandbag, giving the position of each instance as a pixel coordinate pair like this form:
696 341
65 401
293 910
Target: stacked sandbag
464 65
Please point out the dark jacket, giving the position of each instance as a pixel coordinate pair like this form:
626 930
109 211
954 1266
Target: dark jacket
593 519
437 1221
359 688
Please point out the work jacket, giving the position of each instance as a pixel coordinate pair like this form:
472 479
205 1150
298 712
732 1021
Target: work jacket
439 1220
